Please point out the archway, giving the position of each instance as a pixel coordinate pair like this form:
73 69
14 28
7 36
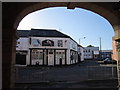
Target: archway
11 22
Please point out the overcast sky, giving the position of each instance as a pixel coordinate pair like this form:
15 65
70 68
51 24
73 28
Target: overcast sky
77 23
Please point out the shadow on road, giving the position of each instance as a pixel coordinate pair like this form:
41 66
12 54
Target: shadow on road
87 74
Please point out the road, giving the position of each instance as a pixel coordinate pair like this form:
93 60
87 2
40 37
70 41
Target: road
88 74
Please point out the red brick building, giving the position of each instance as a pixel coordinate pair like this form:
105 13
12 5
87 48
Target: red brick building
114 55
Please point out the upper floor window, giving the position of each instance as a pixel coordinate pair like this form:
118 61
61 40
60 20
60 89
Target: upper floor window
36 42
18 42
47 43
60 43
89 50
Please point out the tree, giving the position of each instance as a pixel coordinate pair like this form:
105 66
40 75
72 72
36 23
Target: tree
90 46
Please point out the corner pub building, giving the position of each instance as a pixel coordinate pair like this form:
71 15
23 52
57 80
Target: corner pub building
46 47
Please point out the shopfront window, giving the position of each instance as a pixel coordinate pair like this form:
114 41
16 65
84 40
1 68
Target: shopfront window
60 54
37 55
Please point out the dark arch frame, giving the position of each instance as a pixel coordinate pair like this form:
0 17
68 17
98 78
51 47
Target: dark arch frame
14 12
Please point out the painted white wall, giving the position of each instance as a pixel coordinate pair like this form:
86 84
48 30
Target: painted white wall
93 50
66 45
23 44
82 54
28 58
68 56
65 42
73 45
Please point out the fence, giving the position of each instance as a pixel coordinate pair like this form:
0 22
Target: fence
64 74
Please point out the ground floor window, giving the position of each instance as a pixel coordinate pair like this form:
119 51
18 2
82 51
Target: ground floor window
60 57
48 57
37 56
73 56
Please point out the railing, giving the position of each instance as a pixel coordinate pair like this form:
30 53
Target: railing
70 73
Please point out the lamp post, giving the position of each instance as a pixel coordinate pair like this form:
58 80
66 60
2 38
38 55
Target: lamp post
100 49
81 38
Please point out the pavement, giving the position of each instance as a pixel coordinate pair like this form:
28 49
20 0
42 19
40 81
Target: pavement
87 74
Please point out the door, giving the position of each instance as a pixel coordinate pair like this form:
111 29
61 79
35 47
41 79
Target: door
50 57
20 59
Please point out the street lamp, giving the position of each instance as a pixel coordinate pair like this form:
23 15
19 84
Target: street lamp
100 49
81 38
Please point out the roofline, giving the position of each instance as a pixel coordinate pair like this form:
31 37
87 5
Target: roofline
80 45
42 29
51 36
57 31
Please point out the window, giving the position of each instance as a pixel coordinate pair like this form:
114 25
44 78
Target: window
89 50
18 42
37 55
35 42
40 56
63 52
50 52
60 43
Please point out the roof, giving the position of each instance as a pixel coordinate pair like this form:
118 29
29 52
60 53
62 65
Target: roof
106 50
23 33
41 33
80 46
46 33
92 48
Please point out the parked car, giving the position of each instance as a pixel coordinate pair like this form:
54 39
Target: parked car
109 61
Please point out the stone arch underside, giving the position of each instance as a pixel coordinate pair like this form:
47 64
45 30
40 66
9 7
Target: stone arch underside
13 13
111 15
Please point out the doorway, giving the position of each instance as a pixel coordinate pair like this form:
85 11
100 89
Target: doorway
20 59
50 57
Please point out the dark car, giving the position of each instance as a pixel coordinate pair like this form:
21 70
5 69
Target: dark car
109 61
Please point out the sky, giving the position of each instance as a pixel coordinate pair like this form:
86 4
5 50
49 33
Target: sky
77 23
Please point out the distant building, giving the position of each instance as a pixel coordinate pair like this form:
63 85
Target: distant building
106 54
46 47
91 53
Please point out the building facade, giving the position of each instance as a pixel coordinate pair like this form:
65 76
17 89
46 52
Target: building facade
49 48
22 48
91 53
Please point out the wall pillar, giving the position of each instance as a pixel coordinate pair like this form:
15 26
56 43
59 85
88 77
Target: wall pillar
8 58
116 38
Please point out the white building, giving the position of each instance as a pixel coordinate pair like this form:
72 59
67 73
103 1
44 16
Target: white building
91 53
22 48
47 47
80 53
